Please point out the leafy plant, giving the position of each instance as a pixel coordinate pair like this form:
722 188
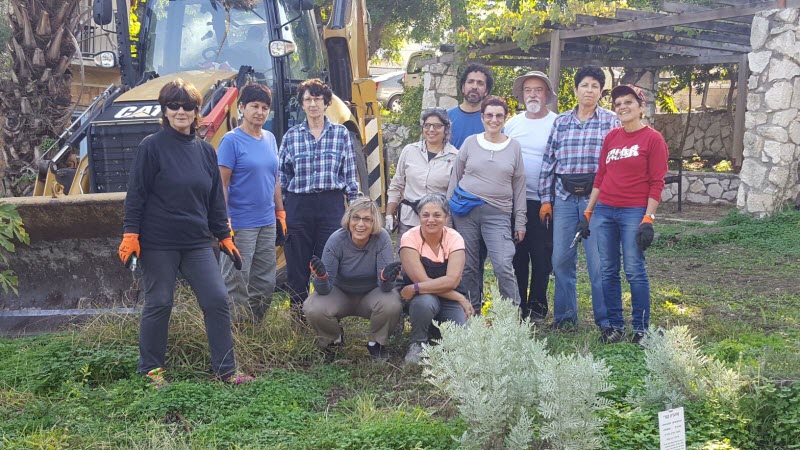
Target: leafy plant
511 392
11 230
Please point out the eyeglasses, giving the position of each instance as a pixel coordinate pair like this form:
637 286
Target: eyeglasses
310 100
367 220
174 106
435 126
498 116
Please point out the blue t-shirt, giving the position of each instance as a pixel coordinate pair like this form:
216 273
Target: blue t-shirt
463 125
251 192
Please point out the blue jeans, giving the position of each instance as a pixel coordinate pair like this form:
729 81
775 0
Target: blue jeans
566 216
617 227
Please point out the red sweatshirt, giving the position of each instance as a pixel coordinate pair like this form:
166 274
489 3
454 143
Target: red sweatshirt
632 167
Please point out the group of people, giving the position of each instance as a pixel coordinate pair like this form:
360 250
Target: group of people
521 192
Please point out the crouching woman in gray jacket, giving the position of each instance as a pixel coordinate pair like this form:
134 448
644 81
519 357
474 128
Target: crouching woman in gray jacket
355 277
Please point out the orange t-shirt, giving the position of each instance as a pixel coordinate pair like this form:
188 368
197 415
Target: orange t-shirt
451 242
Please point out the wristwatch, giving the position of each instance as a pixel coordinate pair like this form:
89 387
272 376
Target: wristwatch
651 216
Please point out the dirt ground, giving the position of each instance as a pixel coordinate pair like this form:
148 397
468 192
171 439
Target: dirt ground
692 212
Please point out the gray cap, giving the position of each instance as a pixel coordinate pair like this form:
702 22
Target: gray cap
519 81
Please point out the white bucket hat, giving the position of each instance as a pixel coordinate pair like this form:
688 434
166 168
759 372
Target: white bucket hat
519 81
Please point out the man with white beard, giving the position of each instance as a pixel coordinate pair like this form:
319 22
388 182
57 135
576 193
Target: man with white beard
532 129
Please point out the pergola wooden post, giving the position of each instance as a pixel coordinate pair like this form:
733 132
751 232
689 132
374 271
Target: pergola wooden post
741 106
555 66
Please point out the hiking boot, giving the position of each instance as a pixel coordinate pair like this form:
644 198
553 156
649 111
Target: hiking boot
611 336
638 338
414 355
378 352
157 377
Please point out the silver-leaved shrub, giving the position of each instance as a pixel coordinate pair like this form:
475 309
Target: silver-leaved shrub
511 391
679 372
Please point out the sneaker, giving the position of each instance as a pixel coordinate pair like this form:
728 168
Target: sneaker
378 352
414 355
157 377
332 348
564 325
638 338
239 378
611 336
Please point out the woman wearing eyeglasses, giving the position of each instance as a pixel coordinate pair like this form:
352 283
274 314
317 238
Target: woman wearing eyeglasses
173 207
355 277
487 197
423 168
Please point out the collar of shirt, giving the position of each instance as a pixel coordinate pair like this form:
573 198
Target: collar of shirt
448 149
326 124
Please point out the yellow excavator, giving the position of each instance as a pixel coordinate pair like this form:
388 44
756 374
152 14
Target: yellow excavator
74 218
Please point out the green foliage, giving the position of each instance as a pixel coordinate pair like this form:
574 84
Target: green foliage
511 392
679 372
411 102
566 89
11 231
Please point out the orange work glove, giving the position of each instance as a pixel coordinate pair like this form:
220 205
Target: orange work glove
281 216
546 213
129 246
227 246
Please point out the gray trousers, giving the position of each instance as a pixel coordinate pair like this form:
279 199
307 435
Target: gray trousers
494 227
324 311
250 289
425 308
159 272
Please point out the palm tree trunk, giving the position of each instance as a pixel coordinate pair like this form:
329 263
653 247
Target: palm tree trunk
35 101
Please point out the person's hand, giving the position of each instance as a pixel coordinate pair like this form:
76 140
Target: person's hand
519 236
388 223
546 213
129 246
645 233
469 311
318 268
391 271
583 226
407 293
229 248
280 227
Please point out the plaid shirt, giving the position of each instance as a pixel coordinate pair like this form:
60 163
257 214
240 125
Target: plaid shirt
573 147
309 165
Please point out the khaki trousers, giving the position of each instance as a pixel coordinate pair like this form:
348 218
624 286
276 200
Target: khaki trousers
324 311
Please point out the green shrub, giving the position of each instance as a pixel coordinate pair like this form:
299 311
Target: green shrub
510 391
11 231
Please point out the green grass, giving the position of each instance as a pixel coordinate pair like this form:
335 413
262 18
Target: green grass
737 290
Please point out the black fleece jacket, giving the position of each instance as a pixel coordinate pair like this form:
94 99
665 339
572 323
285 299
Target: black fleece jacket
175 199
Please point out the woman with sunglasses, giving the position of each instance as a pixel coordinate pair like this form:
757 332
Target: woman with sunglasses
173 208
355 277
487 199
423 168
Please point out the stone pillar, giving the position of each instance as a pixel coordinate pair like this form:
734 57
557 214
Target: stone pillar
769 175
440 85
646 80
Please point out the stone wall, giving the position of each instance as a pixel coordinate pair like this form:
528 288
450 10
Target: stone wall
395 137
710 134
440 85
704 188
769 174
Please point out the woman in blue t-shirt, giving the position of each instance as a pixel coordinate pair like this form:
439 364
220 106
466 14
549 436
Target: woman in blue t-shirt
248 165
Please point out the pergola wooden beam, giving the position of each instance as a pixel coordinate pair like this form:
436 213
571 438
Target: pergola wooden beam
702 36
741 107
683 8
708 25
677 19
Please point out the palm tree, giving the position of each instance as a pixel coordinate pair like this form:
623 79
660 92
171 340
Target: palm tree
35 100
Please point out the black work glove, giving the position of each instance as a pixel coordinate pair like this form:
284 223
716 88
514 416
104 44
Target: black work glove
644 235
280 237
583 226
391 271
318 268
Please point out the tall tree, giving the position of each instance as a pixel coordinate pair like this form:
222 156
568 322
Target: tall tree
35 101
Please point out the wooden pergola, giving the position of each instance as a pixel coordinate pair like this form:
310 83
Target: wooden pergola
679 34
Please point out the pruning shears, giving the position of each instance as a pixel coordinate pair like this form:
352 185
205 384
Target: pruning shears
575 240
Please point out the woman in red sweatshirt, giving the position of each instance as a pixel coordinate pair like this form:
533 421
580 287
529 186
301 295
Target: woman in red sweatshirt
626 193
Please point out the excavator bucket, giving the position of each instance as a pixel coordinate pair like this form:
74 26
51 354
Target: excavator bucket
71 268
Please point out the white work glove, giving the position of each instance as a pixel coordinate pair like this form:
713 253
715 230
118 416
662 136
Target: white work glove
388 223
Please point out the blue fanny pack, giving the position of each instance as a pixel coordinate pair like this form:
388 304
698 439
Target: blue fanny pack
462 202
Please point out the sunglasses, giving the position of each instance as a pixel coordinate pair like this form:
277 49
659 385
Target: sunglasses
174 106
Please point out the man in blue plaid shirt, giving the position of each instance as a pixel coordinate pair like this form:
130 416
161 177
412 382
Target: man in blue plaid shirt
317 171
565 182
